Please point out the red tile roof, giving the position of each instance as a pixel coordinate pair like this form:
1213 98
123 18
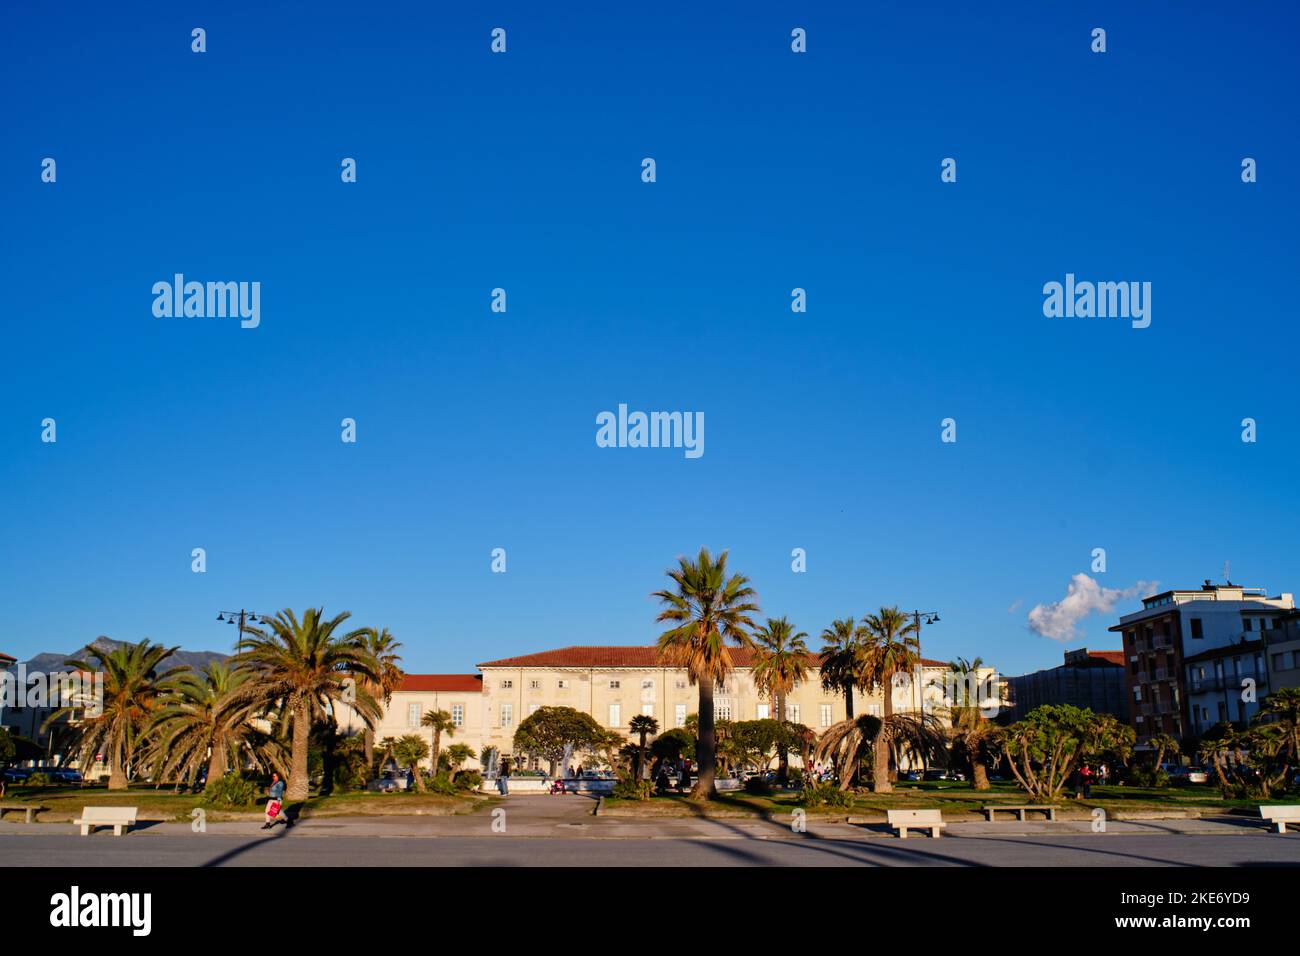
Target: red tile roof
6 657
1110 657
622 656
442 682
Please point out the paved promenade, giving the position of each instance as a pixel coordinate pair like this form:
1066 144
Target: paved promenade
558 831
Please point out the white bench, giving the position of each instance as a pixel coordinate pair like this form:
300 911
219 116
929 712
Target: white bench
1281 816
904 820
119 818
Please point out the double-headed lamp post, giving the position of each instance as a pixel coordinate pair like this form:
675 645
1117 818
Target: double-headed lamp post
241 617
919 618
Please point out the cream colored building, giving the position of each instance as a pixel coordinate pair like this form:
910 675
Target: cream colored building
615 684
460 695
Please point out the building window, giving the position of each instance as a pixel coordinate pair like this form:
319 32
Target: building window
1250 625
534 707
507 715
763 712
1279 662
1198 630
824 715
792 713
614 685
648 709
458 715
1295 658
413 715
647 685
534 685
562 684
681 685
679 715
723 711
507 684
615 716
873 710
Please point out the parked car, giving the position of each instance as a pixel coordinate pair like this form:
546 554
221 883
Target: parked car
16 774
1188 775
388 783
912 775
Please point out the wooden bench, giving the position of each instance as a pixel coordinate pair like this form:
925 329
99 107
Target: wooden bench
1281 816
904 820
1020 809
30 809
119 818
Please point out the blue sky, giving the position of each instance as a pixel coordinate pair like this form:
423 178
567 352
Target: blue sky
775 170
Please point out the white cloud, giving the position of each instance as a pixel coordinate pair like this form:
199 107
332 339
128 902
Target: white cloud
1015 605
1060 619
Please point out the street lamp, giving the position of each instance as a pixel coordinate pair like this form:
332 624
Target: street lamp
919 618
240 617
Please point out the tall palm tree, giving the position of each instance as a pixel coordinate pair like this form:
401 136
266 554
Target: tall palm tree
439 722
843 660
846 743
892 648
970 727
131 692
1283 708
643 726
382 647
1164 743
708 609
197 724
780 662
306 667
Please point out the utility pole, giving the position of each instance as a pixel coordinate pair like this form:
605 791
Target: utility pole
919 618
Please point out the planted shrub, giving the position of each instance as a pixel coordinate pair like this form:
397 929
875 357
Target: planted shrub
634 789
469 780
825 794
231 791
37 780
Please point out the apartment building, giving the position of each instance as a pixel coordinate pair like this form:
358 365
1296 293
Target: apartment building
1095 680
6 663
1190 651
1282 651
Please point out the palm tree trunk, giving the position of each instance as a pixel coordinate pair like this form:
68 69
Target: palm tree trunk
980 774
117 774
880 782
217 764
707 748
298 786
437 749
848 702
368 736
783 760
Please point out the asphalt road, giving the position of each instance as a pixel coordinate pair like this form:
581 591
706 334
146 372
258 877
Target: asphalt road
299 848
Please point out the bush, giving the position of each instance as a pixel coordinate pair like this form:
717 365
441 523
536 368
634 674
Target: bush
231 791
469 780
1144 777
634 789
441 783
825 794
38 779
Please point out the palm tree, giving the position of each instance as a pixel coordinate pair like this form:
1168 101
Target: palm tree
970 727
1283 708
457 754
846 743
780 662
643 726
843 660
892 648
131 692
1163 743
408 752
707 609
382 647
305 667
197 724
439 722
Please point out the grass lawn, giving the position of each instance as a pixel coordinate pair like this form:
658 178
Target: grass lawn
957 800
65 803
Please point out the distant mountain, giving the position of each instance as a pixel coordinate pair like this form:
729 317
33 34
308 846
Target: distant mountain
53 663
